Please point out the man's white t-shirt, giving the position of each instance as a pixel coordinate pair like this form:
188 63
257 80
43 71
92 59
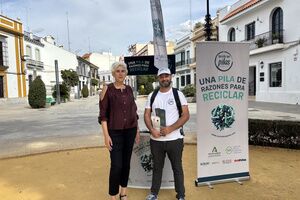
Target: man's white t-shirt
167 102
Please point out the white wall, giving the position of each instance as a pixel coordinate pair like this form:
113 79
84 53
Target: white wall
30 71
66 60
289 7
183 45
103 60
12 80
288 55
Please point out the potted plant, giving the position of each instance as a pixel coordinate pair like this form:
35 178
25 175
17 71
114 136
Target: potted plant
260 42
275 38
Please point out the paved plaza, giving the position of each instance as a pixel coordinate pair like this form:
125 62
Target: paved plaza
25 131
77 164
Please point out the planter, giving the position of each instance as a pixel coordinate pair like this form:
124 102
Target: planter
275 41
191 99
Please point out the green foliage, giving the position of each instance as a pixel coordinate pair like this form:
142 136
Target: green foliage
85 91
37 93
198 25
94 82
142 90
260 42
63 89
70 78
189 90
274 133
145 81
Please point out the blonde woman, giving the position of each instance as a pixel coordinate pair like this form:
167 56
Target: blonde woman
119 120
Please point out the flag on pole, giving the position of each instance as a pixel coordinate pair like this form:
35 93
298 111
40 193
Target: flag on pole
159 41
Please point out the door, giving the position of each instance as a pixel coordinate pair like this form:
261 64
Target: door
1 87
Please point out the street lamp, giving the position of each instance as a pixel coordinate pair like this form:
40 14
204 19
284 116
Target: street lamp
207 26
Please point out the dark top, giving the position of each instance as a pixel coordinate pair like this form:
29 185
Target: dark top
118 108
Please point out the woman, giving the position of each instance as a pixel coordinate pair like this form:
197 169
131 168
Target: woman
118 116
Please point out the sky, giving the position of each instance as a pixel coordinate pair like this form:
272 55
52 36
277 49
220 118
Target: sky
105 25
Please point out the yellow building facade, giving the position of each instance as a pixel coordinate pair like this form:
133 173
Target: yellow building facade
12 70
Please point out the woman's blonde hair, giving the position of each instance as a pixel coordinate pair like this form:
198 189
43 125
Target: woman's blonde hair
117 65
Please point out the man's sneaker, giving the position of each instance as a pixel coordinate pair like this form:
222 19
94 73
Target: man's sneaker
152 197
181 198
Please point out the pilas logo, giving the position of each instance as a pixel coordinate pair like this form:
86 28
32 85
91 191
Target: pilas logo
223 61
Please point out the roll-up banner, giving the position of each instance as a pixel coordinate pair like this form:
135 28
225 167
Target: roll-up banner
141 166
222 112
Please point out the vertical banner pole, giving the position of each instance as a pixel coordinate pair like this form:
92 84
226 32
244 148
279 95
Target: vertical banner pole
159 41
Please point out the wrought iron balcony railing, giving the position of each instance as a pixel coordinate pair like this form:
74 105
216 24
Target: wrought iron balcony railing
34 63
185 62
266 39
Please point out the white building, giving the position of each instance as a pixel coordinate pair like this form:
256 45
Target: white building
86 72
272 29
104 61
12 70
65 59
33 49
183 51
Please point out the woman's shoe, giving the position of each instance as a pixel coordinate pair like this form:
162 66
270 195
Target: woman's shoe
123 197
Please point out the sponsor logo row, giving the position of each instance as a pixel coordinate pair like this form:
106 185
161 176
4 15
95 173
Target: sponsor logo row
224 162
228 150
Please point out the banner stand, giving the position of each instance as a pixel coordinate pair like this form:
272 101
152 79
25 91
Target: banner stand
199 182
142 165
222 112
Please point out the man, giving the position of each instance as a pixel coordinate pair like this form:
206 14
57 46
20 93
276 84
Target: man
169 139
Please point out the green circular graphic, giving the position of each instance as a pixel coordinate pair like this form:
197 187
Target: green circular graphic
222 116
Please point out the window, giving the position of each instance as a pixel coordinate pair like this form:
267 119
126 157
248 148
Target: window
108 77
3 52
250 31
188 61
277 25
29 52
177 82
188 79
231 36
182 58
275 74
1 87
182 80
37 55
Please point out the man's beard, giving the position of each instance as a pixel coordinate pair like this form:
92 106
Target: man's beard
165 84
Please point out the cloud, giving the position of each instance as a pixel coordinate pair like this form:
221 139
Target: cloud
105 24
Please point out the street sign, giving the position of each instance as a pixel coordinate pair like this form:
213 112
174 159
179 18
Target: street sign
144 65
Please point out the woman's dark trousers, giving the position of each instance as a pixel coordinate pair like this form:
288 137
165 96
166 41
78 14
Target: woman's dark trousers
120 156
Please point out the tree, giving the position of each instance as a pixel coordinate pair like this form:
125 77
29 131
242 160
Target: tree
85 91
189 90
63 89
37 93
146 81
94 82
70 77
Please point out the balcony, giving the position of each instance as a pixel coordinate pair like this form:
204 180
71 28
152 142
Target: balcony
186 63
266 39
34 64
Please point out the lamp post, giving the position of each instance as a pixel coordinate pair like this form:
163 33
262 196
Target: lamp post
207 26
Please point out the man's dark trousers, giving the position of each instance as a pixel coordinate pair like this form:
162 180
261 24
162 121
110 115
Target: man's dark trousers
174 150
